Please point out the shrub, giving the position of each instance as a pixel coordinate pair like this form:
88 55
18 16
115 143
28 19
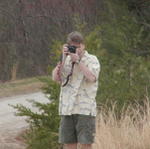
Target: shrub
43 131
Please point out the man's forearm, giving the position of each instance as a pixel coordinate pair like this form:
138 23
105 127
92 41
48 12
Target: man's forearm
56 73
87 73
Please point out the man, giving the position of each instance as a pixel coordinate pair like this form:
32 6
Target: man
78 74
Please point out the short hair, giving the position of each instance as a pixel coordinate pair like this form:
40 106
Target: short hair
76 37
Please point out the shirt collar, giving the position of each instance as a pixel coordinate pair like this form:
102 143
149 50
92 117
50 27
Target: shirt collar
85 55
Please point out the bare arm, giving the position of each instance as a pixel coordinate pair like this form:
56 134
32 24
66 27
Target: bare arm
87 73
56 73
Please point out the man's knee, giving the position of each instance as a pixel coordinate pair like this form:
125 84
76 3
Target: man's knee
85 146
70 146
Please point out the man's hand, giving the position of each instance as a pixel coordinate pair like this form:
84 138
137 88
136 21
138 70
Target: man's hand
65 51
74 57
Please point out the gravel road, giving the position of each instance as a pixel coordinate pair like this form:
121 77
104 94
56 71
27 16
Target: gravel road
11 125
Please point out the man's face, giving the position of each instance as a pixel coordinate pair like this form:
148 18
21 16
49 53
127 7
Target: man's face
80 47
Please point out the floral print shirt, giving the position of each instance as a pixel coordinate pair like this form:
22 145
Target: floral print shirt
78 96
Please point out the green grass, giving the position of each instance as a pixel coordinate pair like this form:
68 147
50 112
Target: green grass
20 86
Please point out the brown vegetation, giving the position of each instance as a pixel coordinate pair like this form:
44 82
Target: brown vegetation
131 131
21 86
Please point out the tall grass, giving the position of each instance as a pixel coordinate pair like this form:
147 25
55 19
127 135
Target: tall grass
130 131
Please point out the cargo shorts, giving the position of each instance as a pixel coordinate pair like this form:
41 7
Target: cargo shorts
77 128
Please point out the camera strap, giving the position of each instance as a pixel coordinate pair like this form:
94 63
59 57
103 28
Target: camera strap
70 74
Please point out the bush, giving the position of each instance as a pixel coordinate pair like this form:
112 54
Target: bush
124 76
43 131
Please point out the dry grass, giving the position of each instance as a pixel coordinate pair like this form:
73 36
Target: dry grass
132 131
21 86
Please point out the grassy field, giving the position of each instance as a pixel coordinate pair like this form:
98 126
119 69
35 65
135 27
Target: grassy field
132 131
21 86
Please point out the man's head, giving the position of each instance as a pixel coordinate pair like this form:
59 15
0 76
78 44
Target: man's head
76 39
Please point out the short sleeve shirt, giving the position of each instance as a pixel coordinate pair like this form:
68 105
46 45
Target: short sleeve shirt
78 96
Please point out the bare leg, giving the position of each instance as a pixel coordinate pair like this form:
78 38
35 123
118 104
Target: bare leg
70 146
85 146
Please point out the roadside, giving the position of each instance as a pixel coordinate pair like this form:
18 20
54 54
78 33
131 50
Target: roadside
16 92
11 126
22 86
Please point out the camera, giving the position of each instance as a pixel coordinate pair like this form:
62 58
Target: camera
72 49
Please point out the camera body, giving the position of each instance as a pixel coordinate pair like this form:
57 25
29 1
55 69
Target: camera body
72 49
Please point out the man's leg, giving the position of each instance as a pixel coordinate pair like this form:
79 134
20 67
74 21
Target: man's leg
67 133
70 146
80 146
85 146
85 131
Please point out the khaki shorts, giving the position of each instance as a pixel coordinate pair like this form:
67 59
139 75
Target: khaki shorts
77 128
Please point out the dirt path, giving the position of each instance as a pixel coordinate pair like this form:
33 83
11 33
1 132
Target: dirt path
11 125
